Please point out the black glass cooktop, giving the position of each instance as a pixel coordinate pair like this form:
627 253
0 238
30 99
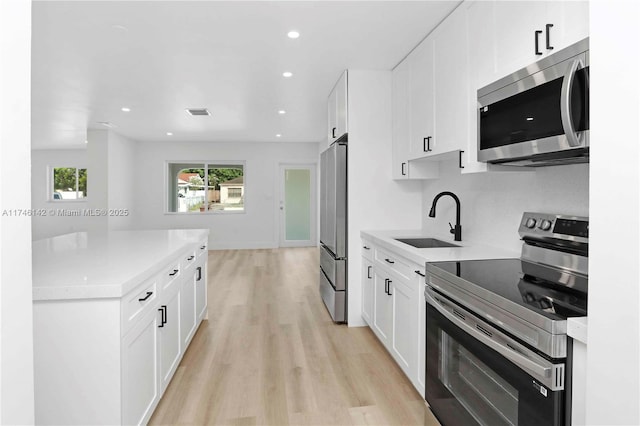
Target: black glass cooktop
526 284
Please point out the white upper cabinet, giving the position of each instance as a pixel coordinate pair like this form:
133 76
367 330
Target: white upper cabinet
422 100
451 84
337 110
503 34
400 120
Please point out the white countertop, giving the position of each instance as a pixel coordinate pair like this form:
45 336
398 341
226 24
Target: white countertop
577 328
104 264
465 251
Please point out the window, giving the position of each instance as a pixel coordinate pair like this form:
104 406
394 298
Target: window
205 187
69 183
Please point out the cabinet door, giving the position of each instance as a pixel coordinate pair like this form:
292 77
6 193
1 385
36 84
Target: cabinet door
341 105
332 127
422 333
421 62
140 384
451 84
201 291
188 309
169 336
382 308
400 120
570 21
405 321
515 25
367 290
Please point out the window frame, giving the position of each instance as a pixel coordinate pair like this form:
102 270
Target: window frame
51 182
205 165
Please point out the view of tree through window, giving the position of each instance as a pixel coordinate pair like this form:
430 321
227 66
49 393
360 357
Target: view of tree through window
205 187
69 183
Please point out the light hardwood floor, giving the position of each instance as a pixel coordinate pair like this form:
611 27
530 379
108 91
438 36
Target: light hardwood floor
270 354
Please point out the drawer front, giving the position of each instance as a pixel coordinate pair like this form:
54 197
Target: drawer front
367 250
138 302
188 260
171 274
394 262
202 248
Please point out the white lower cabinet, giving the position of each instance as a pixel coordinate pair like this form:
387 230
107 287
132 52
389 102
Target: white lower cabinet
169 335
382 307
140 371
394 307
109 360
367 290
405 322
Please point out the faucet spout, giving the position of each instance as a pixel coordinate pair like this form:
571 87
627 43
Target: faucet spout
456 230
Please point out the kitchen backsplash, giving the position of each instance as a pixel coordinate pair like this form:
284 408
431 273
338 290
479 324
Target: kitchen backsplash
492 203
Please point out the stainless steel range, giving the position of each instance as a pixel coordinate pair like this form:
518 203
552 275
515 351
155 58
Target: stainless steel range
497 345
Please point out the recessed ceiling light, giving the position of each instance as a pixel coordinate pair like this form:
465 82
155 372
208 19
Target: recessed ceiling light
169 134
293 34
125 109
278 135
282 112
287 74
529 118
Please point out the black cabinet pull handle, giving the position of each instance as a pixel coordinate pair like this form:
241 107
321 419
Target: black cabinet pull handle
333 132
402 169
537 36
389 288
163 315
386 283
199 269
549 47
369 271
426 144
149 293
460 160
175 271
203 247
420 273
190 257
390 261
366 248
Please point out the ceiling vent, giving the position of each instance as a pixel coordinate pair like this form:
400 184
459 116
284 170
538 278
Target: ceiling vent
198 111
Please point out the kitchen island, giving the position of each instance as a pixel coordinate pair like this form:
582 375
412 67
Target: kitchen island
113 314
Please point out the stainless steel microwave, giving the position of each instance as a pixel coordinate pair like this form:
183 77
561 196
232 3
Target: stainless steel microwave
539 115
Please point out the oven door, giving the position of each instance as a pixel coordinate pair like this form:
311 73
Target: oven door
470 381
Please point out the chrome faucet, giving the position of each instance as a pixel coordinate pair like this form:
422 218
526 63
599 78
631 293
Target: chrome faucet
455 230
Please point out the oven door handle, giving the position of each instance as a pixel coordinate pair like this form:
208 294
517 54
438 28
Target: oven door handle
541 372
565 103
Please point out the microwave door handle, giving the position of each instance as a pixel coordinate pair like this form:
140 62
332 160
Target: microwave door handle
565 103
542 372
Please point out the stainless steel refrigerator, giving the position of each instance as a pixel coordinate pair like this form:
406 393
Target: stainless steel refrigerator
333 230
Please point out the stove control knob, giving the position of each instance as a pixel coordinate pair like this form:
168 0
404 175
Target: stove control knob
545 225
531 223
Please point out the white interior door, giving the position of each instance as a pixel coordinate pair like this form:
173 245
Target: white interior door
298 202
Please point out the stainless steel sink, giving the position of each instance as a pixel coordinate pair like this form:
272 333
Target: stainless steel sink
425 242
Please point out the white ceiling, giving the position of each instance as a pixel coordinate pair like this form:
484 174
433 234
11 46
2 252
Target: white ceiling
92 58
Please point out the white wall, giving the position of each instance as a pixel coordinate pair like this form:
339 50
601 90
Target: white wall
110 162
51 224
492 203
256 227
613 350
122 172
16 322
376 201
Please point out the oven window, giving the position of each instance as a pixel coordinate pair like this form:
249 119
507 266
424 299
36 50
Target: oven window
482 392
